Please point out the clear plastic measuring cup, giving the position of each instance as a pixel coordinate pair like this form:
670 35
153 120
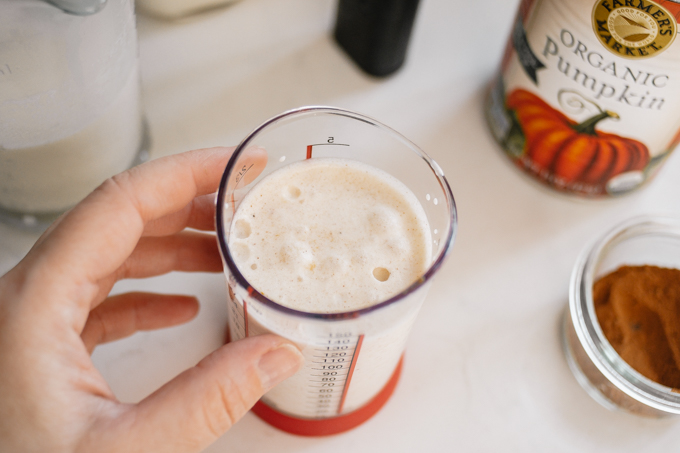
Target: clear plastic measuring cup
352 359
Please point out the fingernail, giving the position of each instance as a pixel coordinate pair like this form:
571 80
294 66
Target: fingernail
279 364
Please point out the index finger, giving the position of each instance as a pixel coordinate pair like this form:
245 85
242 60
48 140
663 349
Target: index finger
95 237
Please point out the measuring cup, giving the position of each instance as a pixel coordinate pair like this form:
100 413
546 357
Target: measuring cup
353 359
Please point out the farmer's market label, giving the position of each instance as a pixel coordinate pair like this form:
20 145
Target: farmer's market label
633 29
588 96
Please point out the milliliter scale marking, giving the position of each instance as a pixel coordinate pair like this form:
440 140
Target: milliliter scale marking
330 374
237 318
330 369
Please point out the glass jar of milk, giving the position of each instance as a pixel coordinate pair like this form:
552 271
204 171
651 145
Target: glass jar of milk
70 110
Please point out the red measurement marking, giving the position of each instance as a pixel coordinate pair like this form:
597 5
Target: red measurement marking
245 310
245 318
353 365
333 425
233 204
309 151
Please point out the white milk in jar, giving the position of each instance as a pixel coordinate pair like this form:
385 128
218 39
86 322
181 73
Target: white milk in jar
53 176
70 104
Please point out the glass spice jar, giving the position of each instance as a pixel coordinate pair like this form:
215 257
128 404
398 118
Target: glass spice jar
598 368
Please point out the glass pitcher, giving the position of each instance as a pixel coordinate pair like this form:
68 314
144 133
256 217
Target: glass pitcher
70 106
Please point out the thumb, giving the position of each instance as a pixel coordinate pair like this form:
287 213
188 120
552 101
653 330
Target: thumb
198 406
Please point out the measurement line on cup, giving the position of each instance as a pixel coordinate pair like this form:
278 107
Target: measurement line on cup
330 142
352 365
245 319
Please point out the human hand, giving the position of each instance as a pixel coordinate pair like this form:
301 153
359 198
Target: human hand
54 309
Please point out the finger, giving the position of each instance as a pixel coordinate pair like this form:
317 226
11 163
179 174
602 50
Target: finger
96 236
201 212
198 406
49 229
186 251
199 215
122 315
100 232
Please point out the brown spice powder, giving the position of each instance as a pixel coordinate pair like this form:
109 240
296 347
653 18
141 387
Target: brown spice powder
638 308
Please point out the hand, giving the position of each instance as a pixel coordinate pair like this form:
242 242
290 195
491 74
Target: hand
54 310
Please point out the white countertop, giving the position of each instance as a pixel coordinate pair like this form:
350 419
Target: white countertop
484 368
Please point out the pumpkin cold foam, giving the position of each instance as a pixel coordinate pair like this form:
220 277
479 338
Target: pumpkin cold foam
331 235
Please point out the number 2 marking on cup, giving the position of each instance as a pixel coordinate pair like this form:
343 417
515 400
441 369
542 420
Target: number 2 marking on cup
330 141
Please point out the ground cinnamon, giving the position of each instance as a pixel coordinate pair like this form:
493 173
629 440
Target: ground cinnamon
638 308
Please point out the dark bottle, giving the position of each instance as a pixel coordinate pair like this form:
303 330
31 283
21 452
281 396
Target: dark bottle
375 33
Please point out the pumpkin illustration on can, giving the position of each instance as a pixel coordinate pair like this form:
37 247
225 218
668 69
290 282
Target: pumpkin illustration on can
572 156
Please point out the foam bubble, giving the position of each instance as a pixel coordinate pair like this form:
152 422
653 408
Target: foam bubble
241 229
381 274
292 192
240 252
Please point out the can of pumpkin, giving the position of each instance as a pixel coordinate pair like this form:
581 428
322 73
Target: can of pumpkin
587 99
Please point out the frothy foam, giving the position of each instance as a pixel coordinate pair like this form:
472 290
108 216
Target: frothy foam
330 235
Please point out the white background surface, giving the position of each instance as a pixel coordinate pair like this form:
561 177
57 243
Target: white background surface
484 369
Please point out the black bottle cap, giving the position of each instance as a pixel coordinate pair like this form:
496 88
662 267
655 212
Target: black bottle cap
375 33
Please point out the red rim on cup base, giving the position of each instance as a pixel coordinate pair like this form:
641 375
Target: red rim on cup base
328 426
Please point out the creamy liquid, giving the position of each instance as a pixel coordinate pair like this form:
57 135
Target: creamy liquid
330 235
324 236
54 176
